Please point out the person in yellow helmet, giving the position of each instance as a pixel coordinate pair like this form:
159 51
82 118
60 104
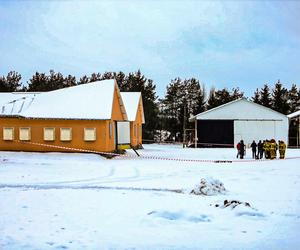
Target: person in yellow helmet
272 149
267 149
282 147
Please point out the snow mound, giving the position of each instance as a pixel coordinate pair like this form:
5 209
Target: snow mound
180 215
208 186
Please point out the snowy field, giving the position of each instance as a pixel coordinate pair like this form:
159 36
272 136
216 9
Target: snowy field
84 201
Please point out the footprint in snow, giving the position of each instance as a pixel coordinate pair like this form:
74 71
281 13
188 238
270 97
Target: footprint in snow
173 216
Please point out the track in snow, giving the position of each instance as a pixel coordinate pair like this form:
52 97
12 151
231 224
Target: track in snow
49 187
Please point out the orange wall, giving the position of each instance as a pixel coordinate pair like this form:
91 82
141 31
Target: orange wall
136 140
116 110
103 141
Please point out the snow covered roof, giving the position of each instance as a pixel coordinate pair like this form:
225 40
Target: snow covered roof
87 101
293 115
240 109
131 101
14 103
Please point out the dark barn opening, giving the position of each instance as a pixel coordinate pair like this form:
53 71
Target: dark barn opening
215 133
294 133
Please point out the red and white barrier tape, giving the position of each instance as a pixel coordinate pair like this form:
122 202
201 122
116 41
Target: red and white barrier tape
151 157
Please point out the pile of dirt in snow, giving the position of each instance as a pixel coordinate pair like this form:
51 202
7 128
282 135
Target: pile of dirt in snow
233 204
209 186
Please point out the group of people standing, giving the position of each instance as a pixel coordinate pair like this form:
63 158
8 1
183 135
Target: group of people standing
267 149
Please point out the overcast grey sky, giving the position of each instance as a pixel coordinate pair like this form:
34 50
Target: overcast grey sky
224 44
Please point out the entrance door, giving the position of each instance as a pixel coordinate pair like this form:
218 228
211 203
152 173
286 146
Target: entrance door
215 133
123 134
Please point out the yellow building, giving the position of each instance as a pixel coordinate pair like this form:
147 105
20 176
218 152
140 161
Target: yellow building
80 117
134 106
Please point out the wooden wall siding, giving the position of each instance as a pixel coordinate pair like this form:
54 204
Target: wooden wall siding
102 142
136 139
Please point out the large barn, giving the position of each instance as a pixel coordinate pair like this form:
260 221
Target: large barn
80 117
239 120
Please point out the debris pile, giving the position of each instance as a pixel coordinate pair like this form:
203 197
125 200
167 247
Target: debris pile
209 187
233 204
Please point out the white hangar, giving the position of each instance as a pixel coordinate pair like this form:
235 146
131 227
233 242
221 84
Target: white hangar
238 120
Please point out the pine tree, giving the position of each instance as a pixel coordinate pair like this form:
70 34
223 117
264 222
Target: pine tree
236 94
10 83
38 82
183 99
95 77
222 96
55 81
294 99
84 79
280 98
70 81
120 78
171 107
212 100
137 82
256 98
200 103
265 96
3 84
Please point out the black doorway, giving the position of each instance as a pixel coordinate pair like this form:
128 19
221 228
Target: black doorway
215 133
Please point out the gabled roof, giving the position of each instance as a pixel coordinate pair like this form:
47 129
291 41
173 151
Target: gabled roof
132 101
293 115
87 101
240 109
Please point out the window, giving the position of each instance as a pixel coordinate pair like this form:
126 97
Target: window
24 134
110 129
8 134
90 134
49 134
65 134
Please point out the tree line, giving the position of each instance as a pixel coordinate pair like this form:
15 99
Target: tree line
183 97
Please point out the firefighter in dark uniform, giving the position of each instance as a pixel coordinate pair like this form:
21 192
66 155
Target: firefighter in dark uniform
260 149
242 149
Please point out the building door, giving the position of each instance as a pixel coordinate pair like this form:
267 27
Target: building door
215 133
123 134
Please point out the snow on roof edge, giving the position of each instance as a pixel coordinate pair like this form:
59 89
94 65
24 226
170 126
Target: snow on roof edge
294 114
237 100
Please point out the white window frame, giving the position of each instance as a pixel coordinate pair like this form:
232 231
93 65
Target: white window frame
24 137
61 134
5 135
90 137
46 138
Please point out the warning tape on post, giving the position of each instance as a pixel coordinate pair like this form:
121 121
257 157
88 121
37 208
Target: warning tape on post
151 157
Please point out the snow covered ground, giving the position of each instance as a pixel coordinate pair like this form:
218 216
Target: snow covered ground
84 201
